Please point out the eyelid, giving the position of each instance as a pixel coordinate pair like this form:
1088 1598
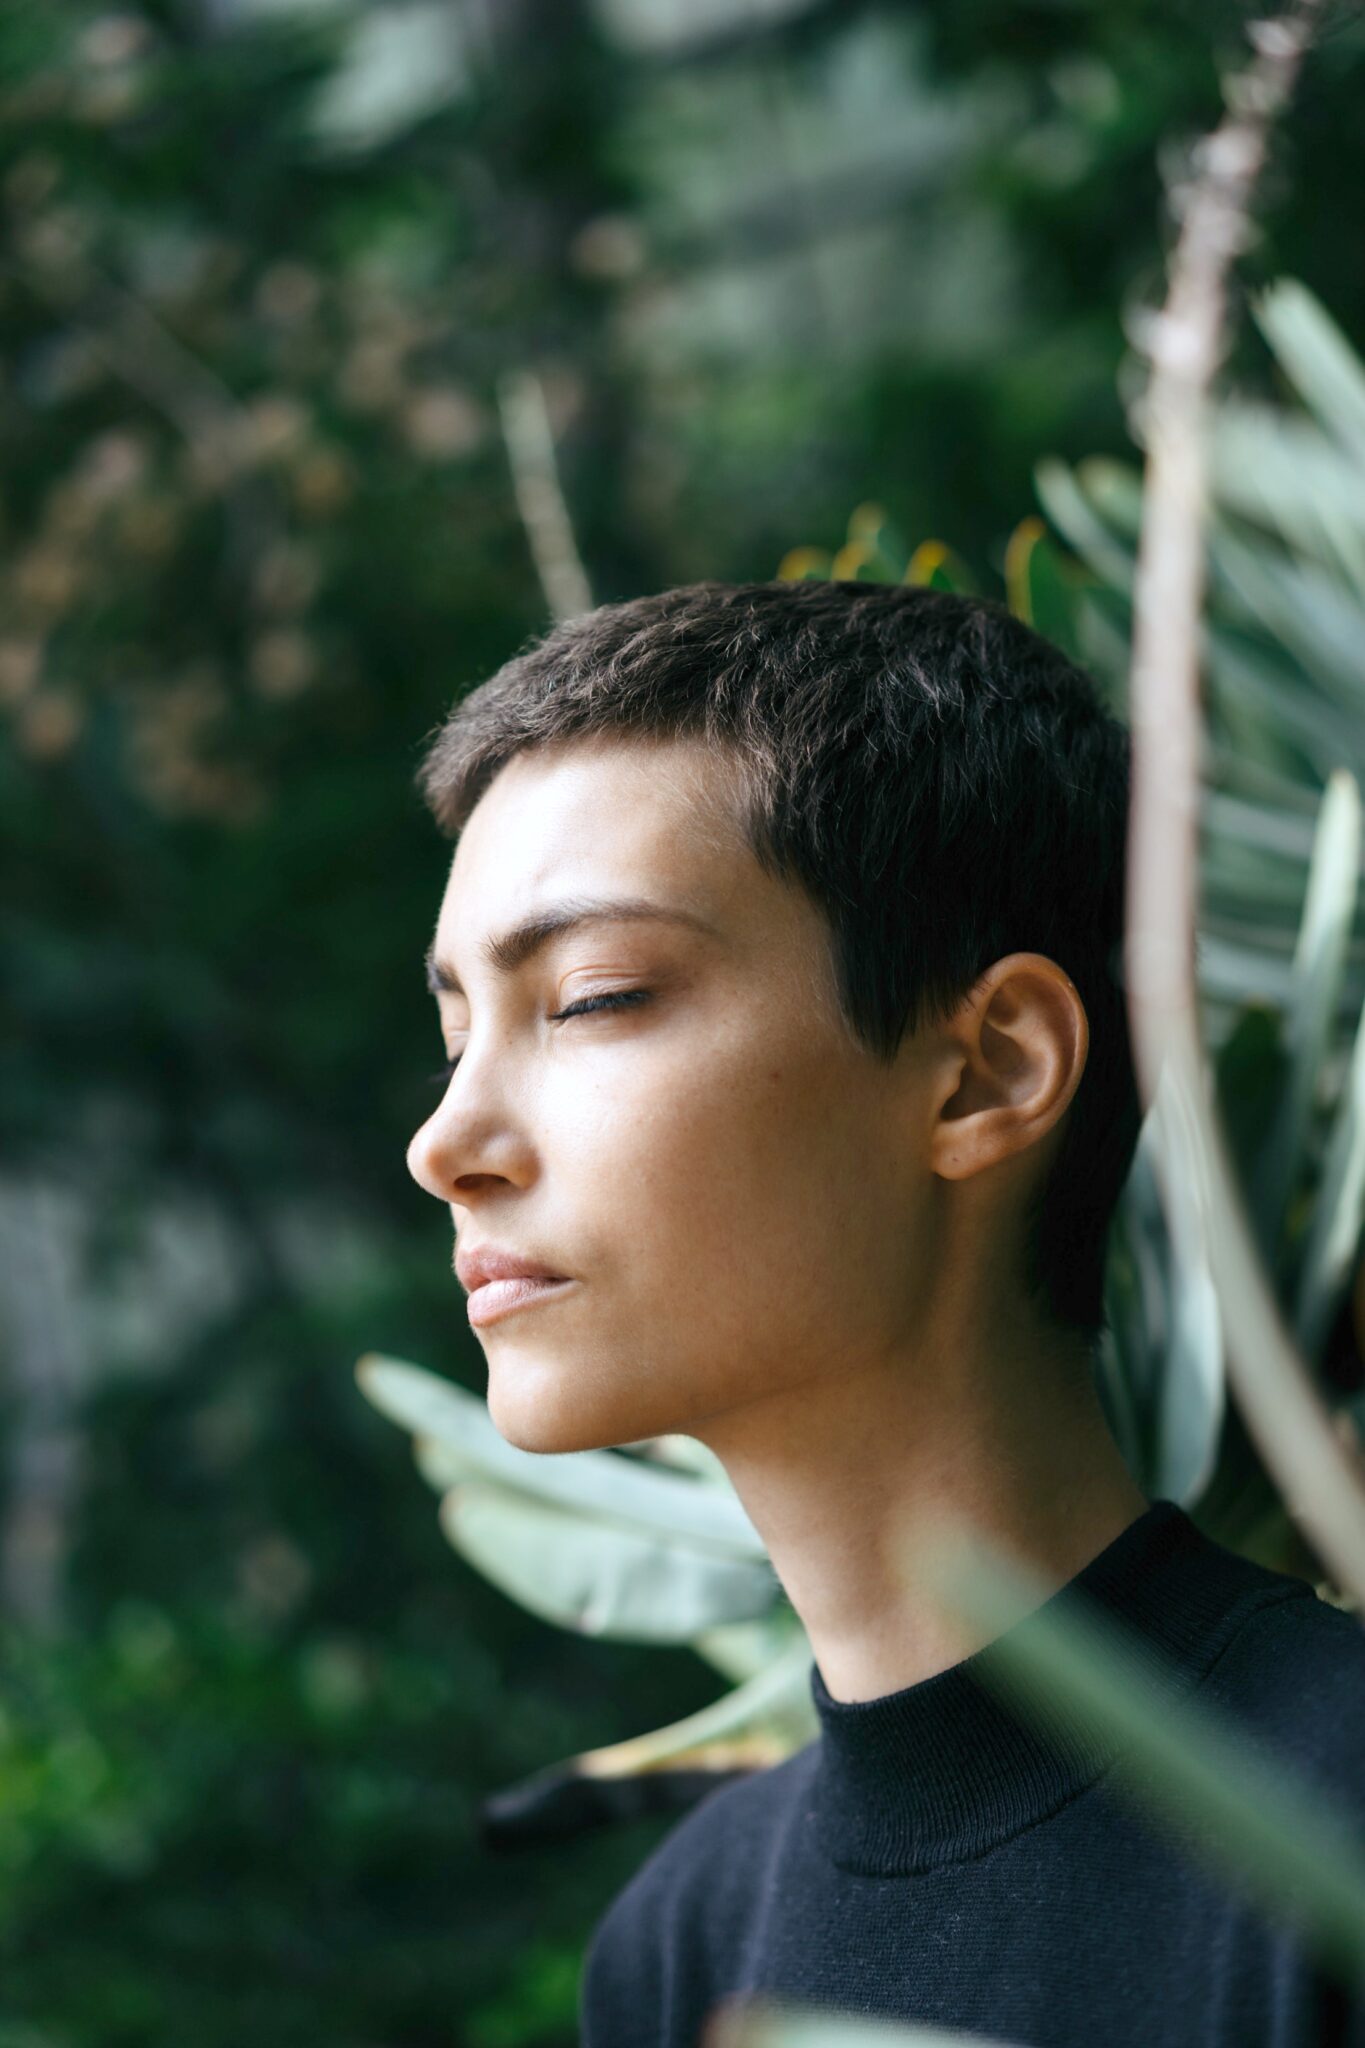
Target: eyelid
580 1006
607 998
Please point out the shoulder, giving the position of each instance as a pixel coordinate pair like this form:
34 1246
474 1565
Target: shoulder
1293 1671
670 1923
715 1843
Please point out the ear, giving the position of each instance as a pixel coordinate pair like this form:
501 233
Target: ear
1013 1053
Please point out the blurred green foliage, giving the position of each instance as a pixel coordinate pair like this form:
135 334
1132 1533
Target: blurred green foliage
256 528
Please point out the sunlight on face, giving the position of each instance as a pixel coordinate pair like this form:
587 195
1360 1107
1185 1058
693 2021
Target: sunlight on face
724 1175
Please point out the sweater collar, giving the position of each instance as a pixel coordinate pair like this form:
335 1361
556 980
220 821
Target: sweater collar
943 1770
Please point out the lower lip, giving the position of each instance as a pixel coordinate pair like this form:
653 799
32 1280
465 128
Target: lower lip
499 1298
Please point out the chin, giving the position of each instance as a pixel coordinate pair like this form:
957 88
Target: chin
546 1412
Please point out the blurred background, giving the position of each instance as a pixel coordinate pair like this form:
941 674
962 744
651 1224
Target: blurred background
289 294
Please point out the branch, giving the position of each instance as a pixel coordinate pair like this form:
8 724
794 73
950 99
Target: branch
1322 1483
540 498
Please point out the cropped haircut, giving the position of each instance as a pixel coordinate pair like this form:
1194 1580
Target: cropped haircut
944 784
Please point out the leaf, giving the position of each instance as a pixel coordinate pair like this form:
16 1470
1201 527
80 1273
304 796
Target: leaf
557 1803
602 1484
1241 974
740 1649
1185 1393
804 565
599 1577
1113 1377
1263 677
1066 505
1266 1828
777 1697
859 562
934 566
1319 963
686 1454
752 1727
1249 1074
1316 357
741 2020
1281 472
1040 591
1334 1234
870 523
1114 490
442 1464
1286 793
1287 834
1309 612
867 522
1193 1390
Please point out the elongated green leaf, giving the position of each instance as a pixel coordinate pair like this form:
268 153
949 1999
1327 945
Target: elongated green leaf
1193 1391
1249 1069
600 1577
1339 1211
935 566
1242 974
1274 1835
1316 357
687 1454
1103 626
741 1649
1176 1357
1288 835
1319 963
1114 490
1298 604
1042 584
1114 1376
443 1464
777 1698
1256 676
752 2022
1283 473
602 1483
1075 518
1240 968
1233 876
1279 789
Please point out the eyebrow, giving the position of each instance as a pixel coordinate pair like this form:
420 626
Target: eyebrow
509 950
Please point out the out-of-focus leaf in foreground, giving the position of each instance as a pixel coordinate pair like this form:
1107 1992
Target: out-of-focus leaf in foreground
1272 1835
602 1484
765 2023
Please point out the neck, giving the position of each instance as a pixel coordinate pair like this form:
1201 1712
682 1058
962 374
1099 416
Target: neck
845 1475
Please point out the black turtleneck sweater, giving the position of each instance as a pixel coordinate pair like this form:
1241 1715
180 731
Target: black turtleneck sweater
931 1858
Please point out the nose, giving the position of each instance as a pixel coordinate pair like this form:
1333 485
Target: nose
467 1142
424 1158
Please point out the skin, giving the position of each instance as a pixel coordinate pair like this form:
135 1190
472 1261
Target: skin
800 1255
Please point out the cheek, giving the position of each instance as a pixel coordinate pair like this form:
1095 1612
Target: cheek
736 1202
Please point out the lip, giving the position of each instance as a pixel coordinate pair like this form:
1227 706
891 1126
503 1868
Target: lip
499 1298
499 1282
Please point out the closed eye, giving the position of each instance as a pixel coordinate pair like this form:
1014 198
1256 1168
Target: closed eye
617 999
612 1001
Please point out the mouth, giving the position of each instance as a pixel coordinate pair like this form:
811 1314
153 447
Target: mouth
499 1298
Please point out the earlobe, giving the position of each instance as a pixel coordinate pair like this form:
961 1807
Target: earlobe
1019 1043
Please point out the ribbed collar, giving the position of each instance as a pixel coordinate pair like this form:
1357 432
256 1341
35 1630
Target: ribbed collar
943 1770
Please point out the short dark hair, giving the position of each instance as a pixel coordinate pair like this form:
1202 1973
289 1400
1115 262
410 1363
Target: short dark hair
944 783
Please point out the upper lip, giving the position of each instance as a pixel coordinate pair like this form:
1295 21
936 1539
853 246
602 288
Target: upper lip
479 1263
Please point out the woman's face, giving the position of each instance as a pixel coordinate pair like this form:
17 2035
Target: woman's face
728 1183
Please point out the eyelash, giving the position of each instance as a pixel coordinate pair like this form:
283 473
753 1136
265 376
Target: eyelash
617 999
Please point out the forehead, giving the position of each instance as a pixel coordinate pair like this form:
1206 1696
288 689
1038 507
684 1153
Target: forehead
601 816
